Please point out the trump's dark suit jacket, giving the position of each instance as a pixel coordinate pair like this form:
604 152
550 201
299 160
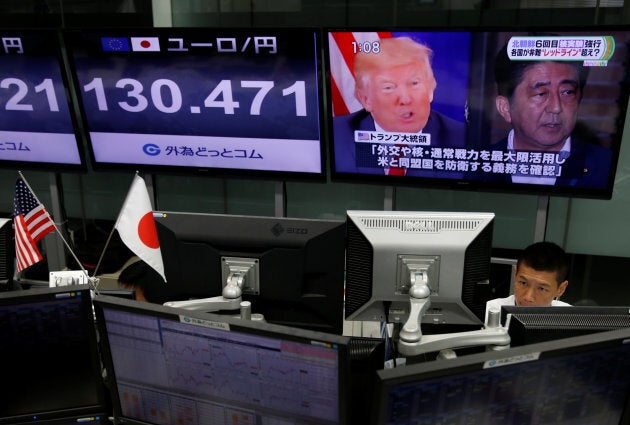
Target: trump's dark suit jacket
445 132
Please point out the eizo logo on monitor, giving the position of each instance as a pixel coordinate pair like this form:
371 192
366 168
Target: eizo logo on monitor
298 230
151 149
278 230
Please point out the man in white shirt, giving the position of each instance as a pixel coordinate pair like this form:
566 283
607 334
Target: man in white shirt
540 278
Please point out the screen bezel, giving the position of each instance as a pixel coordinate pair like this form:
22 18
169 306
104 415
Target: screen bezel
245 173
487 83
102 302
53 38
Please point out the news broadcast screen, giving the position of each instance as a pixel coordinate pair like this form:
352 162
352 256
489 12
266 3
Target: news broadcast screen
36 124
540 113
225 101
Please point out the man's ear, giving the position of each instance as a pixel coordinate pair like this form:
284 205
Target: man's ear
503 107
561 288
363 99
433 90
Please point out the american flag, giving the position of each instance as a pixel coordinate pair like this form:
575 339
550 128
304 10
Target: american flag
32 222
341 50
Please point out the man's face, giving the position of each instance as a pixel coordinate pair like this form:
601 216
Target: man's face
534 288
399 98
543 110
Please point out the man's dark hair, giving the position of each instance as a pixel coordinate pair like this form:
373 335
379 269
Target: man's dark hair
141 275
548 257
509 73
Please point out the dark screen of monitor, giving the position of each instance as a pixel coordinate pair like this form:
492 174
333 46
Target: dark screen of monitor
7 254
48 361
582 388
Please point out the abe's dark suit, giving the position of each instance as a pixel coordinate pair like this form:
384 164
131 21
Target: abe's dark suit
587 165
445 132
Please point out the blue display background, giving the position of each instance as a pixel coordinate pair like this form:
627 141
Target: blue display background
196 75
39 61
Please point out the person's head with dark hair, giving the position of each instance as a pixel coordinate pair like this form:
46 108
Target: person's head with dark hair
509 73
396 84
142 278
541 274
540 99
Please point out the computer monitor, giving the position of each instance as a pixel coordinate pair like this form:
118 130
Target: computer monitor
168 365
581 380
388 250
292 269
7 254
528 325
49 361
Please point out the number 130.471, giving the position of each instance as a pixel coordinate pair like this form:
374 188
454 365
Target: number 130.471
166 96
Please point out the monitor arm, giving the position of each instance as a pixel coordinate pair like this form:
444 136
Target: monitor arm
230 298
412 342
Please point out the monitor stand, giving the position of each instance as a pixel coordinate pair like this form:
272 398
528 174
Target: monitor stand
411 342
231 298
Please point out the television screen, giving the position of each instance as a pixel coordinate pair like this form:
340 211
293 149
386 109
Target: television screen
222 101
36 124
49 361
171 366
540 113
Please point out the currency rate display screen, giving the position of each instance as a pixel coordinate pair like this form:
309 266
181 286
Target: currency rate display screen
236 102
36 124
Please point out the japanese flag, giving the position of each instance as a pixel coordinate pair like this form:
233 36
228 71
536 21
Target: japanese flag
136 226
145 44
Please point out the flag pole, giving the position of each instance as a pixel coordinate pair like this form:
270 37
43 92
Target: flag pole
98 264
111 233
56 228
